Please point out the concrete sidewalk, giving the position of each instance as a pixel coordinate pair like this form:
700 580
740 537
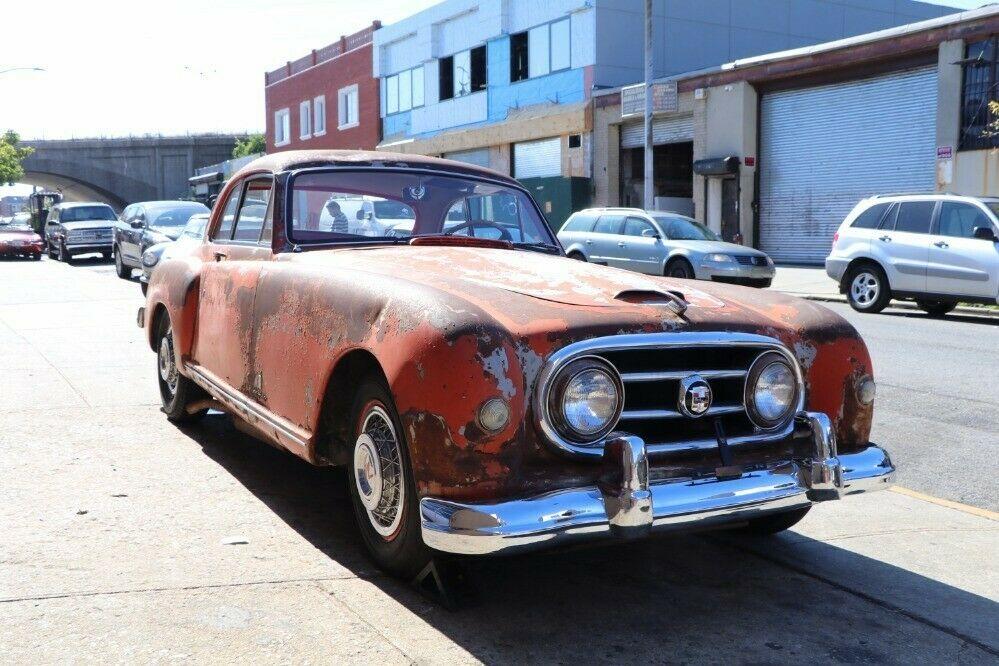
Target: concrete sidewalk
813 283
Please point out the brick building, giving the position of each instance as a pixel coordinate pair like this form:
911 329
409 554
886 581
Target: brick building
326 99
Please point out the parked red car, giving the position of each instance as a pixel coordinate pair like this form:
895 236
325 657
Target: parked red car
486 393
17 239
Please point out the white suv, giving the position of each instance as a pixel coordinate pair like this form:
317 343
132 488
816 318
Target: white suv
936 249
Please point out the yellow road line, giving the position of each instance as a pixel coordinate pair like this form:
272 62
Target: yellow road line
974 510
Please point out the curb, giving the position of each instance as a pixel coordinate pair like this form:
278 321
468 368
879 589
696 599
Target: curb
902 305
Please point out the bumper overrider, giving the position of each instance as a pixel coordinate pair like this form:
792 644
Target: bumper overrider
631 506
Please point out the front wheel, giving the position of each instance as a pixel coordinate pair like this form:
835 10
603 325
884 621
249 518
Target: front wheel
64 254
868 289
680 268
381 486
120 269
177 392
936 308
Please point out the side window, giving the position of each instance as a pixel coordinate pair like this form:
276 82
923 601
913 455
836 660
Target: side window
253 210
53 216
636 226
224 232
959 220
580 222
870 218
608 224
914 216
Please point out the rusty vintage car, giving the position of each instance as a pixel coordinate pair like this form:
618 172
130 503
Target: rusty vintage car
486 393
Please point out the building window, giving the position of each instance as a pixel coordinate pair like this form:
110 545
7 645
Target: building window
304 120
541 50
518 57
282 127
979 120
404 91
446 78
478 62
347 111
319 116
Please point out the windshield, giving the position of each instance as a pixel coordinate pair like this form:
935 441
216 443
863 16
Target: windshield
174 216
13 227
195 227
82 213
345 206
684 228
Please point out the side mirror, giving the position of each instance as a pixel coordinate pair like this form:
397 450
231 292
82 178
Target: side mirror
136 224
985 233
650 233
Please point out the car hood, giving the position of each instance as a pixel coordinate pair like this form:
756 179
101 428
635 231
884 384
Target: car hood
707 247
87 224
173 233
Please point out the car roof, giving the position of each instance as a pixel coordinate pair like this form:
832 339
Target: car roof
289 160
931 195
168 202
78 204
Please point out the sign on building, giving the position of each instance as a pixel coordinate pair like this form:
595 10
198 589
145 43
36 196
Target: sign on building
664 99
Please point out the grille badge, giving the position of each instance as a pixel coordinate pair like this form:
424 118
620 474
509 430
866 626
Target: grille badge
695 396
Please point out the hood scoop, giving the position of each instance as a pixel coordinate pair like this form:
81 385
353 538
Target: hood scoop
671 299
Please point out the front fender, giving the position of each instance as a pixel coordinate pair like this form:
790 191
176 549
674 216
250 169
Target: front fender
173 290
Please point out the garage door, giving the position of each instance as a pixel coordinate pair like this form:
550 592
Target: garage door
677 129
479 156
823 149
537 159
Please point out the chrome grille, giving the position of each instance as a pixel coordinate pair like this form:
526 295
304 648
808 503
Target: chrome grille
750 260
652 367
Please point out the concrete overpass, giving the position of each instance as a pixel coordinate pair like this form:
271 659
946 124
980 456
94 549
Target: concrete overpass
121 171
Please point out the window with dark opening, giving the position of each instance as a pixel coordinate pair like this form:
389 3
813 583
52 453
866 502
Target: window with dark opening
479 68
575 140
518 57
979 119
446 78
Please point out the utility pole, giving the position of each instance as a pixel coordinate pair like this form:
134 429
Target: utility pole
649 197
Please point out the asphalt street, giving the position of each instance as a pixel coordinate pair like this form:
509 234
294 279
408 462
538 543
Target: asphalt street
126 539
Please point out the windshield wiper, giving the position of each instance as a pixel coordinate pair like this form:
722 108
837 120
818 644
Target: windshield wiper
538 247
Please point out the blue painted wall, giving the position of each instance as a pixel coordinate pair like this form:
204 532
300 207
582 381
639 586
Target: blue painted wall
560 87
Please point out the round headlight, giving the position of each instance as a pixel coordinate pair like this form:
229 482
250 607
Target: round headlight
771 391
149 259
586 399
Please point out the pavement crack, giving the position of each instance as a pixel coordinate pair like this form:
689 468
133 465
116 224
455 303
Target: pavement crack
178 588
371 626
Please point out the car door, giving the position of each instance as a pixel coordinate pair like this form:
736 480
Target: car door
960 264
903 244
52 226
231 263
132 235
643 246
603 240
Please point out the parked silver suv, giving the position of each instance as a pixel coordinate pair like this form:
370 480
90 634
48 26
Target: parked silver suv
661 244
936 249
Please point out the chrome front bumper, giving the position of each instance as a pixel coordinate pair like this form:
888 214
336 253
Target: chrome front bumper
633 507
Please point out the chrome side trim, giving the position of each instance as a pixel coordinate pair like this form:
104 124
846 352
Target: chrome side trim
246 408
627 504
612 343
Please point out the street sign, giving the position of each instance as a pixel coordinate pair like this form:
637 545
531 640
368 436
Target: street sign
664 99
945 153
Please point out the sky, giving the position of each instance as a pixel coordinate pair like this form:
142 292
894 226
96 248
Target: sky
127 67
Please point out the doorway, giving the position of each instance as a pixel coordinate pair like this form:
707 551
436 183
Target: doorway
730 210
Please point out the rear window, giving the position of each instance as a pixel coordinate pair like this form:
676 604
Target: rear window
579 222
870 218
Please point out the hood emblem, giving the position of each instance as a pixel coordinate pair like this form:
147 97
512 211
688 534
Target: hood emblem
695 396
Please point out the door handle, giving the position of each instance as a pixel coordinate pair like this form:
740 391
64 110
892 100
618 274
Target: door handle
942 244
219 255
885 239
589 242
622 244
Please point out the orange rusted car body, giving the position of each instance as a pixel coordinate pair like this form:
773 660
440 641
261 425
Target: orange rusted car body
450 327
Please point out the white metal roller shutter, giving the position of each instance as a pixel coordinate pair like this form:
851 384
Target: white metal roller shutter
664 130
478 157
823 149
538 159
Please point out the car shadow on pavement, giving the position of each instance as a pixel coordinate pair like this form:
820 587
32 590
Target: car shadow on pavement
984 319
714 597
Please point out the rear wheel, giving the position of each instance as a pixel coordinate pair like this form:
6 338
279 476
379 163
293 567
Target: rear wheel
49 250
936 308
381 486
578 256
177 392
867 288
120 269
774 523
680 268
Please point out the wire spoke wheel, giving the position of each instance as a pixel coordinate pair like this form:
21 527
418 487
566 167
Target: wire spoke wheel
167 362
378 472
865 288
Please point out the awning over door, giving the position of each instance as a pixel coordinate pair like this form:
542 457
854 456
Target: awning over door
823 149
666 129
